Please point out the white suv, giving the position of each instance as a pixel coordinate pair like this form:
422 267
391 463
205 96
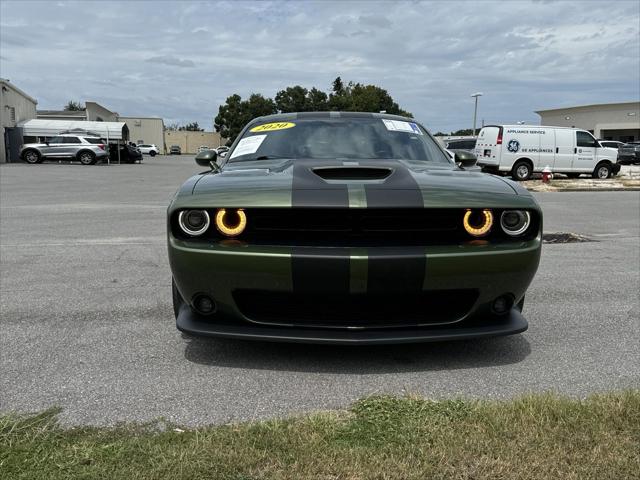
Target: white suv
86 149
149 149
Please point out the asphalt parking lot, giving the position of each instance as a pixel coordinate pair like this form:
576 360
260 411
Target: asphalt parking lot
87 324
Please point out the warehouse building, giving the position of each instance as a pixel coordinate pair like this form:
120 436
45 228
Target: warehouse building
190 141
607 121
146 130
15 107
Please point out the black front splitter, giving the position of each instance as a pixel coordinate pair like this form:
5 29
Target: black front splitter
192 324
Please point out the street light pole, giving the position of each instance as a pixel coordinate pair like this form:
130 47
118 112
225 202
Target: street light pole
475 110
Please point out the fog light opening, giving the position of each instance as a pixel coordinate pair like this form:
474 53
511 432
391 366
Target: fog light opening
502 305
203 304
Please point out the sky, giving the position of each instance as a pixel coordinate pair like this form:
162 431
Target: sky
181 60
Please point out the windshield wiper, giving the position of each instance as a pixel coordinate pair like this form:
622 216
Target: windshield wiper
266 157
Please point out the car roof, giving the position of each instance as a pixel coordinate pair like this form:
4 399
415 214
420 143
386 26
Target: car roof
285 117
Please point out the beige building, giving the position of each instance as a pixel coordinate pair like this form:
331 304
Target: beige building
189 142
607 121
15 106
145 130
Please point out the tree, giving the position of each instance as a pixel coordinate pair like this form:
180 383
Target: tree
73 106
236 113
292 99
354 97
191 127
464 132
172 126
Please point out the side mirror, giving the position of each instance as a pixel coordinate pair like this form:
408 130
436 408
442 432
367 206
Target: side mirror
207 158
465 159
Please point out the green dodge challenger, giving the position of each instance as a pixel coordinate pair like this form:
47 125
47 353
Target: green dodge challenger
352 228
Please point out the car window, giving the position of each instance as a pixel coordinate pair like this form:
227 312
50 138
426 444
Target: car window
57 140
348 138
71 140
585 140
95 141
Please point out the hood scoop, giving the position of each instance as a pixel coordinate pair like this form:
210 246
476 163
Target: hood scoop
352 173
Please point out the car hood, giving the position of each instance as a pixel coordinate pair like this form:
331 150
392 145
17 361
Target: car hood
335 183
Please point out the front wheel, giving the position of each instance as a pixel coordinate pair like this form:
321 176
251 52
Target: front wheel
87 158
521 171
602 171
152 153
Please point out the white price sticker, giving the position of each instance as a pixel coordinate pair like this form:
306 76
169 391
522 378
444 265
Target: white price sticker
248 145
400 126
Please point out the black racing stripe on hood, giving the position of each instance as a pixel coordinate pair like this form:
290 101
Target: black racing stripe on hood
318 269
309 190
323 270
399 189
395 270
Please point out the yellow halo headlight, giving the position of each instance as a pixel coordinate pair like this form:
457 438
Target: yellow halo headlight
482 222
231 223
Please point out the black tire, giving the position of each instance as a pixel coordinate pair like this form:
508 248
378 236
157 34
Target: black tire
31 156
521 170
572 175
178 301
86 157
152 153
602 171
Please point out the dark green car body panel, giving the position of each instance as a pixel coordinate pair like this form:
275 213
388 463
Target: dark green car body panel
220 268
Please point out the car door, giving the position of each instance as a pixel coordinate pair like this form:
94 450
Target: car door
564 148
54 148
585 156
72 146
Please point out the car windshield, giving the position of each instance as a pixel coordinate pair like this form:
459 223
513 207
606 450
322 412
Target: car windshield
341 138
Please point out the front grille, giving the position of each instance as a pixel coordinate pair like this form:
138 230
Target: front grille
358 227
344 310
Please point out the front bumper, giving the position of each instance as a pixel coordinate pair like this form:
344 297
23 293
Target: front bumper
192 324
222 270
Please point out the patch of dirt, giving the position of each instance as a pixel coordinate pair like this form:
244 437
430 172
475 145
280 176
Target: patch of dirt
564 237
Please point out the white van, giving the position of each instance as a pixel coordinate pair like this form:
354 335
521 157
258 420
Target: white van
524 149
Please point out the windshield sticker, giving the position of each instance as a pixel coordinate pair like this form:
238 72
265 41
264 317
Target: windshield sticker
272 127
248 145
399 126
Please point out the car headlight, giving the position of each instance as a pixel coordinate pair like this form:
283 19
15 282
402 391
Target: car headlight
194 222
231 222
515 222
478 223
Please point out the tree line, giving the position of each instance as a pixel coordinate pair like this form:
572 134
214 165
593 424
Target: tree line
350 97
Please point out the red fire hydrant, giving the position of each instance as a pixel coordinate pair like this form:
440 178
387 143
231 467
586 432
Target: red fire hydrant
547 175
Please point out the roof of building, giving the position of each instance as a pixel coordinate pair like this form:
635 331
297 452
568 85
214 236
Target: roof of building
61 113
8 84
587 106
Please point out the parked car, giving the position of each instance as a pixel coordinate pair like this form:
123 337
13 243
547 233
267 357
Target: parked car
149 149
203 148
222 151
521 150
273 243
611 143
129 153
175 150
86 149
465 144
629 153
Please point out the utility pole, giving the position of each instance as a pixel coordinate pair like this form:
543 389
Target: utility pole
475 110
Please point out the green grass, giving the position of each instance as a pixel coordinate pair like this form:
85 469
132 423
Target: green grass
534 437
